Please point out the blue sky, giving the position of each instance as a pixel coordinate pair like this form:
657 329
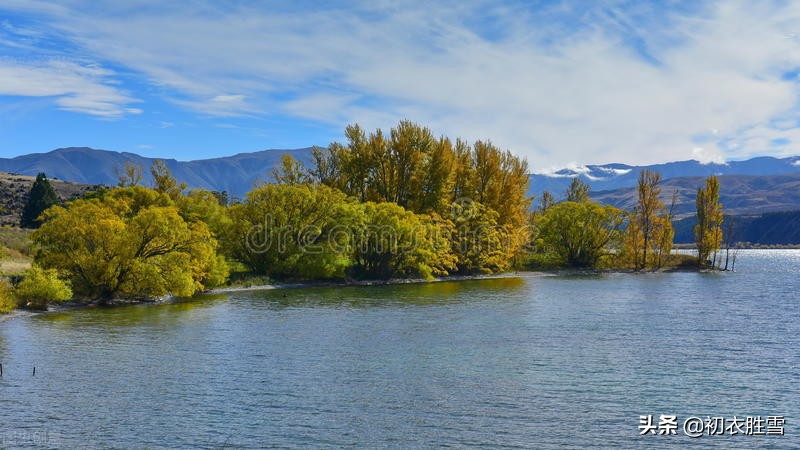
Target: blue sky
558 82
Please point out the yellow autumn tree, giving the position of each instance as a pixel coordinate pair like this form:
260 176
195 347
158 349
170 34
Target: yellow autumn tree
649 234
130 242
708 231
413 168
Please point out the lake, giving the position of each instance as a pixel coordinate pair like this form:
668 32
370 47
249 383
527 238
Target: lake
529 361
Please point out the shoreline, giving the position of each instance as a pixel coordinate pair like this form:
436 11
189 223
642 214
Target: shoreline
76 304
350 283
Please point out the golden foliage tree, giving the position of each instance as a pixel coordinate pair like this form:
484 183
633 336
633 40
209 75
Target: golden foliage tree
414 169
649 233
479 242
708 231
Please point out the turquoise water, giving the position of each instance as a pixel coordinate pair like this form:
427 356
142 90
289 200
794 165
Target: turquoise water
534 361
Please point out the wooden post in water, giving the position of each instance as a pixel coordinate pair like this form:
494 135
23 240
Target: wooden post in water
34 371
1 370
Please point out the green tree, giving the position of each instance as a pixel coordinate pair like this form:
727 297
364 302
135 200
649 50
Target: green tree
394 242
708 231
294 231
578 191
41 287
132 242
579 233
479 242
200 205
41 197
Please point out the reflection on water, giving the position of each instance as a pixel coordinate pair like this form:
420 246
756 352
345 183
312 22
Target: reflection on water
536 361
412 294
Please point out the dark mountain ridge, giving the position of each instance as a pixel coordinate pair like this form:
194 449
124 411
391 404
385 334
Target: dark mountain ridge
236 174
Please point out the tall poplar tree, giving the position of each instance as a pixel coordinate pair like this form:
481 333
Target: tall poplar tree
647 223
708 231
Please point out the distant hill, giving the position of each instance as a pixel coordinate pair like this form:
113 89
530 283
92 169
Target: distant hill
748 187
739 194
235 174
614 176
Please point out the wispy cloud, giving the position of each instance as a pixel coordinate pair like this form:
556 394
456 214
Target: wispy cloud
74 87
594 83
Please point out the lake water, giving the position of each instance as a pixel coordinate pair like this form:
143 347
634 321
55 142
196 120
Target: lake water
534 361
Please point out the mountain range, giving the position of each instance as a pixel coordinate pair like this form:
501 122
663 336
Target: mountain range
608 177
755 190
237 174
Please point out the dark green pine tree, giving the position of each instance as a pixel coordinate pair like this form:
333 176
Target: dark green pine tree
42 196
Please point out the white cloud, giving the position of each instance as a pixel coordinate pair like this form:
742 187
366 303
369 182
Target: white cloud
223 105
609 86
708 155
74 87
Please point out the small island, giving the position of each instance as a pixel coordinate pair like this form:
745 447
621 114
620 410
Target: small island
381 206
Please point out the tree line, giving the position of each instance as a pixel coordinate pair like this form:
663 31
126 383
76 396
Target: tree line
379 205
580 233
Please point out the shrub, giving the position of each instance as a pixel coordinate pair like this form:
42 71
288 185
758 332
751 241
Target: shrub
41 287
7 303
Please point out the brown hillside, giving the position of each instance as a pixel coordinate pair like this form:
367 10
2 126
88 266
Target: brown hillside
14 191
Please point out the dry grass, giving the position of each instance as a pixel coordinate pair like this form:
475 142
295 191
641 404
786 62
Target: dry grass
14 267
15 251
15 240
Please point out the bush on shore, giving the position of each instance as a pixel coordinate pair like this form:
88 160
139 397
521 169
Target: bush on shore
41 287
7 303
